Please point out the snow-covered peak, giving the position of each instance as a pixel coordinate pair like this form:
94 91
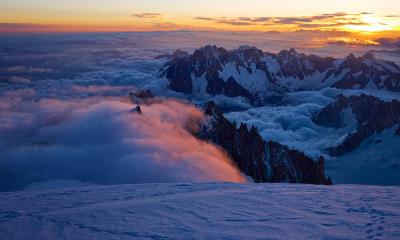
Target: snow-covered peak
255 74
369 56
288 53
210 52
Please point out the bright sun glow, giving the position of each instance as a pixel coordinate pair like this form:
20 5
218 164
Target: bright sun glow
371 25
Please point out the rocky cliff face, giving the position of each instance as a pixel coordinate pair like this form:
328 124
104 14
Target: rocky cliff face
244 146
255 75
294 64
372 114
260 160
293 166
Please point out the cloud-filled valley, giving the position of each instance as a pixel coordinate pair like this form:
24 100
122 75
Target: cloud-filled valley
291 123
65 114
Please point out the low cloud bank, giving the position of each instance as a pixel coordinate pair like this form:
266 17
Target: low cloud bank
104 142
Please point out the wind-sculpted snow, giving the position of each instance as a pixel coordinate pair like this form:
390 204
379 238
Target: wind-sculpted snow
100 140
203 211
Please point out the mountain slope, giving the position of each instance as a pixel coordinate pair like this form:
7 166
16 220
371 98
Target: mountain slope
203 211
375 161
372 115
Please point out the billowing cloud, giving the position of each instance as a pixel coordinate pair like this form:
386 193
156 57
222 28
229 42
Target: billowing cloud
103 142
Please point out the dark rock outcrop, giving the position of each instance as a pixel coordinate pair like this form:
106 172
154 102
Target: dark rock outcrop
372 114
137 109
179 71
293 166
246 147
262 161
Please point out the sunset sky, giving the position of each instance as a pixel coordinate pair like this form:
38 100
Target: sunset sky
374 17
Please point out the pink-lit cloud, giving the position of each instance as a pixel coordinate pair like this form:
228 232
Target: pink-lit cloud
103 142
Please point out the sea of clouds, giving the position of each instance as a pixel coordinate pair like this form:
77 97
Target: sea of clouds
65 116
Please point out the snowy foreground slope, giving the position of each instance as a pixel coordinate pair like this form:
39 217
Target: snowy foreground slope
203 211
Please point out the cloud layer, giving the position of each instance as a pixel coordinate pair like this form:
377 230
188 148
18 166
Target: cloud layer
103 142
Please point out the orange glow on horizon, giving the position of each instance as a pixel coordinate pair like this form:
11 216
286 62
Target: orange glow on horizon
46 16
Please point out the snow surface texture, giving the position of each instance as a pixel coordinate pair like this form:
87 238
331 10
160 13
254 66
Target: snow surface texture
203 211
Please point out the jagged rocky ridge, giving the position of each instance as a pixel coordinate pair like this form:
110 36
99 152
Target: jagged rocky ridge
251 73
260 160
372 114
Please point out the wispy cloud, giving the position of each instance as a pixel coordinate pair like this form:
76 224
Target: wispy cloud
205 18
235 22
328 20
20 25
147 15
352 41
12 27
393 16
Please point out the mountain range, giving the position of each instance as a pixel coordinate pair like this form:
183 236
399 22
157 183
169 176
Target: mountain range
266 79
256 75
